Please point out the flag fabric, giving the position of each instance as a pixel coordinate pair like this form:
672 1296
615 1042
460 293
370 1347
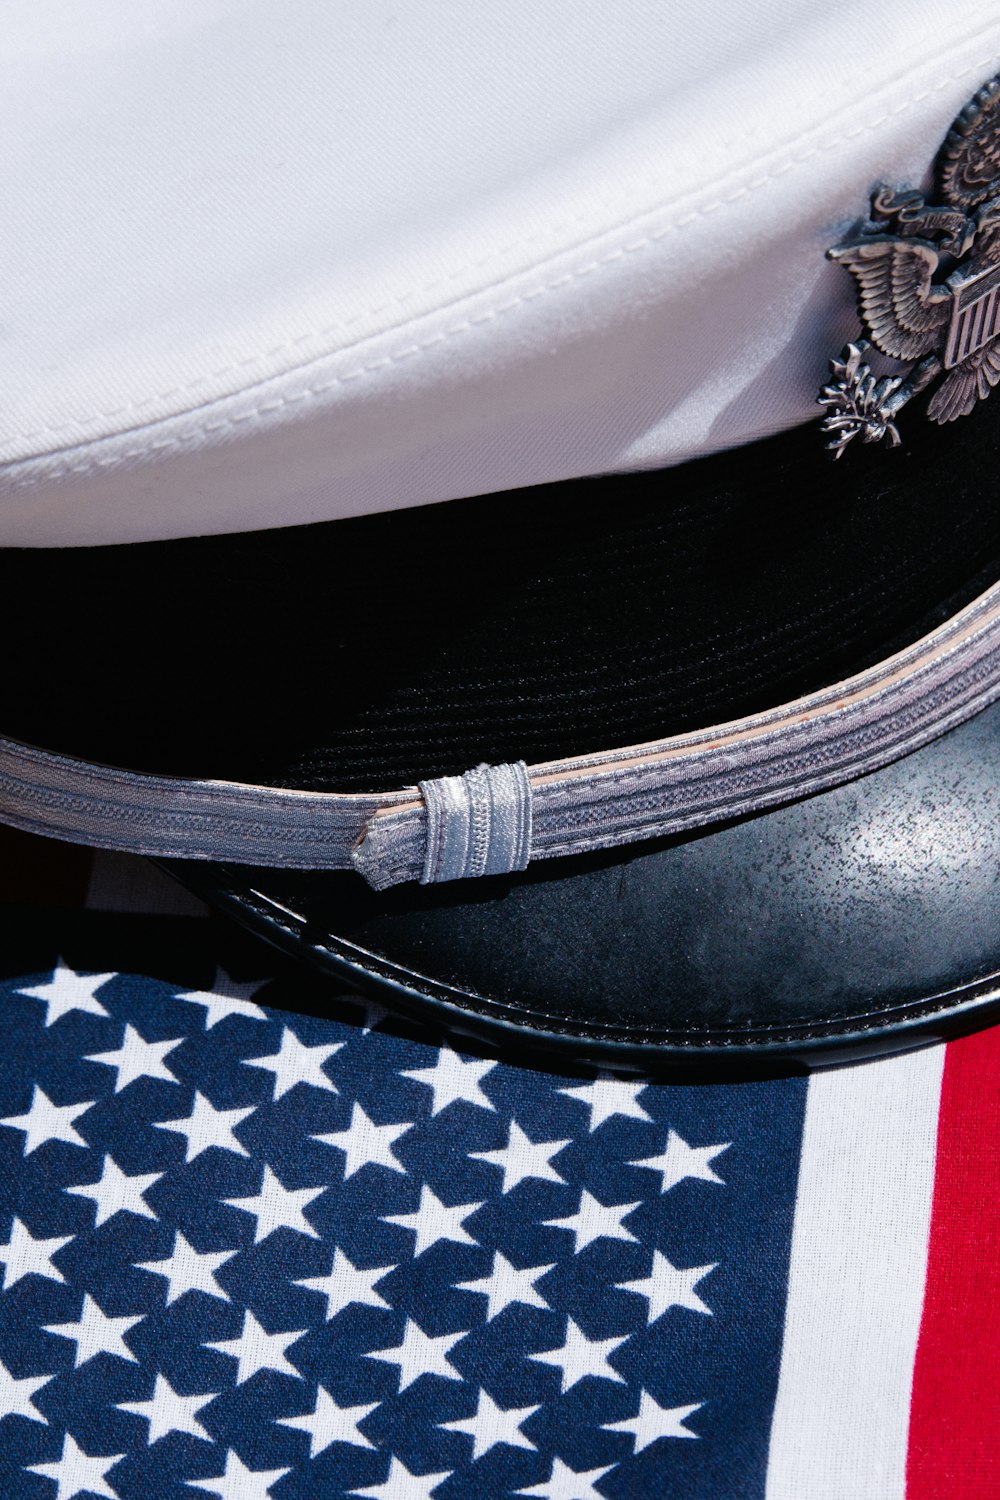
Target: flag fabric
258 1239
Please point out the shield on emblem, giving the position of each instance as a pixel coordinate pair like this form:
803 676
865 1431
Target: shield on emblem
975 318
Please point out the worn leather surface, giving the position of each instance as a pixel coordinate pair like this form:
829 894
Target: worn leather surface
859 921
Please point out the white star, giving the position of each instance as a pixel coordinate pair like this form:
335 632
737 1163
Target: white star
402 1485
434 1220
522 1157
419 1354
167 1411
506 1284
579 1357
46 1121
491 1424
295 1062
207 1126
238 1482
137 1058
669 1286
189 1270
95 1333
114 1192
67 991
565 1483
76 1472
451 1078
346 1284
227 997
256 1350
608 1096
278 1207
366 1144
654 1421
24 1255
373 1013
329 1423
16 1395
680 1160
594 1220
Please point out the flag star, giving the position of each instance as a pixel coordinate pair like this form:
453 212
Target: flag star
579 1357
257 1350
329 1423
594 1220
116 1192
680 1160
95 1333
366 1144
654 1421
506 1284
346 1283
278 1207
419 1354
453 1077
565 1483
237 1482
67 991
295 1062
434 1220
373 1013
16 1395
227 997
522 1157
189 1270
45 1121
491 1424
402 1485
24 1255
76 1472
207 1126
607 1096
137 1058
669 1286
167 1411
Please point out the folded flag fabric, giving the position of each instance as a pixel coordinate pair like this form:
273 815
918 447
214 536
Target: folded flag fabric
257 1240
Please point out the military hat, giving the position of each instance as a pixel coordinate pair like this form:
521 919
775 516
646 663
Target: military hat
504 502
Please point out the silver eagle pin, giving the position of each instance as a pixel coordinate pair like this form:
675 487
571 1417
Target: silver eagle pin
928 283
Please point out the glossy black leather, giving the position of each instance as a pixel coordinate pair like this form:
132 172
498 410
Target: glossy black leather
860 921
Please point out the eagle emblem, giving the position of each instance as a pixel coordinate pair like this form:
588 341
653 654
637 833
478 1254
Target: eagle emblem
928 283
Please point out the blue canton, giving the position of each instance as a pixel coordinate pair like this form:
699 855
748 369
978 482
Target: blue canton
260 1241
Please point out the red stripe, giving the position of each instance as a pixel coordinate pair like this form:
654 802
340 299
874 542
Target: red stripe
954 1448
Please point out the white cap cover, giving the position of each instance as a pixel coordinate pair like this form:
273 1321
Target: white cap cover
267 263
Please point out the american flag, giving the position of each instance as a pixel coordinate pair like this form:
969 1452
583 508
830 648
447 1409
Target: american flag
260 1240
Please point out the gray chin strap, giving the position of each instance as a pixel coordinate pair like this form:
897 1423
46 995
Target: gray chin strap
493 820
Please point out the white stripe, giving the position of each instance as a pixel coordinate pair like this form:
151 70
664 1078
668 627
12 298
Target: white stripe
856 1281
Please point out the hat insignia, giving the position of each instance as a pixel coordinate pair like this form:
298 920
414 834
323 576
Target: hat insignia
928 284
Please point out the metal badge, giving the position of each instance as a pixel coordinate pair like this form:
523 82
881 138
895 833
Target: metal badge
928 280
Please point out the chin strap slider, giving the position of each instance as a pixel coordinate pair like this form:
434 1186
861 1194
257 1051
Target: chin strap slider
477 824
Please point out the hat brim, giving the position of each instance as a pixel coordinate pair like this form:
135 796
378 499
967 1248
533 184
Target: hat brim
860 921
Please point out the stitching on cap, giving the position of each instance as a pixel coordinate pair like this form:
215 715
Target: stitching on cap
797 159
845 1024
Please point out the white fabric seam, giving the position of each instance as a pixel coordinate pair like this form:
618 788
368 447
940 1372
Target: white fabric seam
692 217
